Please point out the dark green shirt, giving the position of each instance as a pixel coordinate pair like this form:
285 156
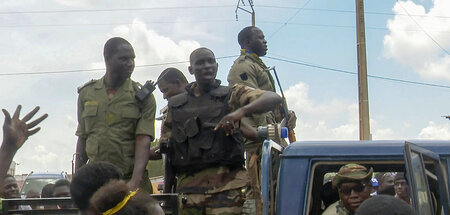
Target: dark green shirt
110 126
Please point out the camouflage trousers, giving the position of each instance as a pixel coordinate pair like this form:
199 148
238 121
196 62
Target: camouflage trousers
228 202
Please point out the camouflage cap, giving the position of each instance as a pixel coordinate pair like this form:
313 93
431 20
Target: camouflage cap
352 173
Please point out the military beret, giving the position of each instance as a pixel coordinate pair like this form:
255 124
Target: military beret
352 173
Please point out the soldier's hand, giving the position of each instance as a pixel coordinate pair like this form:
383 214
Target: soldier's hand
292 120
16 131
230 121
133 185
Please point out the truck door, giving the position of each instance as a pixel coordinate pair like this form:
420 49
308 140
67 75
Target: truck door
424 170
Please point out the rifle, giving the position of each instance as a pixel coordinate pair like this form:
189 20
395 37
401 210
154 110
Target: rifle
284 109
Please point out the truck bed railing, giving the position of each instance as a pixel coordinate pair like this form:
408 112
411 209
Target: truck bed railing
269 175
44 206
169 203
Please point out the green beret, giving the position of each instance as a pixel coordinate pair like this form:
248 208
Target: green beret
352 173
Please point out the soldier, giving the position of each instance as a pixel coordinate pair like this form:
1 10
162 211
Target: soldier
206 144
171 82
353 182
248 69
113 125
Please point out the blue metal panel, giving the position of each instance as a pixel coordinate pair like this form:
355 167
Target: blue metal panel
293 181
362 148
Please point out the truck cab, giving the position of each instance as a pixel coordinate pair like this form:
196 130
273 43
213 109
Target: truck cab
296 180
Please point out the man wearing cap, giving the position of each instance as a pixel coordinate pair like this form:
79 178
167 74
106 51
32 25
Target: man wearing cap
401 187
354 186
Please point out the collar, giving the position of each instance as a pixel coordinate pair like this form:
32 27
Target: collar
248 53
100 84
190 87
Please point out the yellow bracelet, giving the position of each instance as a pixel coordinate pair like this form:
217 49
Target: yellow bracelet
121 204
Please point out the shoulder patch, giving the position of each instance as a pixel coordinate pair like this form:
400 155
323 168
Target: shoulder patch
244 76
86 84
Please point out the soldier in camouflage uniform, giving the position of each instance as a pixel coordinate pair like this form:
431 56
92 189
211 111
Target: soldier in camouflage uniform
354 185
113 125
171 82
248 69
206 146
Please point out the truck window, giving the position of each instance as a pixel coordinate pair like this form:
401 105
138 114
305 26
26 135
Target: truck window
321 194
428 179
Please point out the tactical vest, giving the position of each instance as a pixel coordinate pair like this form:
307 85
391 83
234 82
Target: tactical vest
194 145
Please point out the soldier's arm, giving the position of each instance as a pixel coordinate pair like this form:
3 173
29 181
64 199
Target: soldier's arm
243 73
145 132
265 102
15 133
141 155
81 156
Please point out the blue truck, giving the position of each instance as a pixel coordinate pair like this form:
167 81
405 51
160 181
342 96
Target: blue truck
294 179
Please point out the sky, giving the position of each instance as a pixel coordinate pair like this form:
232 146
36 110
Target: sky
50 47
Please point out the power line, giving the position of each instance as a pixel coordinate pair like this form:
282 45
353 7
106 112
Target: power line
423 30
290 60
206 21
352 11
114 9
355 73
100 69
298 11
109 24
214 6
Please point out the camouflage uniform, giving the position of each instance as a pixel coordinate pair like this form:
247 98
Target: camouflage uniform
216 189
110 125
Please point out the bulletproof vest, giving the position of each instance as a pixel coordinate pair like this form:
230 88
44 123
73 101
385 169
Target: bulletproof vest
194 145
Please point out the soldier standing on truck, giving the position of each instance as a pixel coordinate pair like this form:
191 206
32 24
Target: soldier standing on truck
113 125
206 146
171 82
248 69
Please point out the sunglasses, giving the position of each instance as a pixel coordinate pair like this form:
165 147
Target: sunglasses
348 190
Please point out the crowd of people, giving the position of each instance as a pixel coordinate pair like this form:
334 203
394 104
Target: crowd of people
206 130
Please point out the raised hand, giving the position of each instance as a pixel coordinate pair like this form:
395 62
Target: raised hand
16 131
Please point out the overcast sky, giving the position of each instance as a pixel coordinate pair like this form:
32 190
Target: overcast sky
50 47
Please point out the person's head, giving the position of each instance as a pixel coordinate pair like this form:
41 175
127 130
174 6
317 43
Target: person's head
10 188
252 39
386 183
171 82
32 194
119 58
203 66
386 205
353 184
115 196
61 188
47 191
401 186
89 179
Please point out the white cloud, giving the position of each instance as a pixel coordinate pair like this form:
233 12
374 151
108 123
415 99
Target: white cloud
435 131
410 46
331 120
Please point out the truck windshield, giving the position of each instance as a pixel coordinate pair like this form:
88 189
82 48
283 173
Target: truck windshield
36 184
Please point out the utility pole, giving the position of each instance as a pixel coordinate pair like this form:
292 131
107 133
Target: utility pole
250 2
364 120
